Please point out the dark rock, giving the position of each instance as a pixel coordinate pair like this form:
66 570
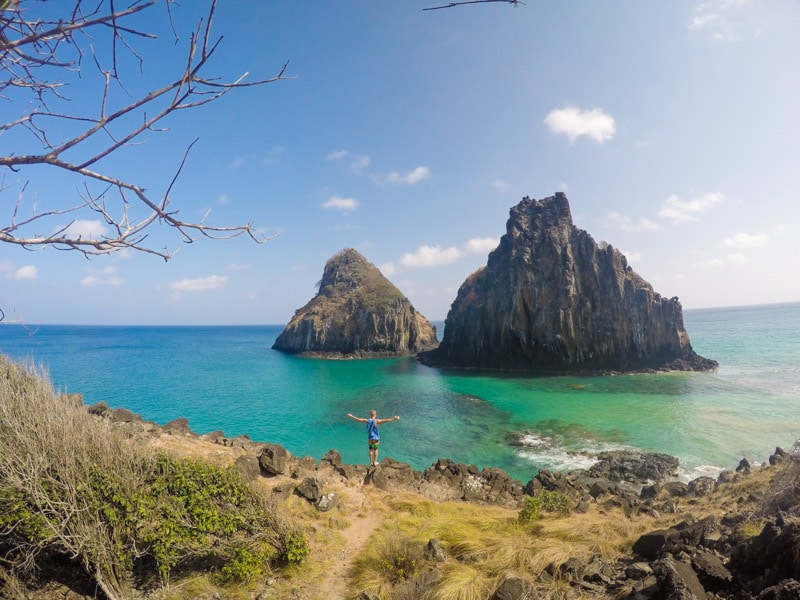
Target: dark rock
678 581
513 588
391 475
333 458
179 426
712 572
466 482
651 544
744 466
676 489
310 489
697 533
650 492
215 437
356 313
702 486
100 409
248 467
275 459
633 466
788 589
434 551
778 456
638 570
551 300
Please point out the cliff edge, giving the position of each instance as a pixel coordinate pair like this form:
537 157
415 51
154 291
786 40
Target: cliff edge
550 300
357 312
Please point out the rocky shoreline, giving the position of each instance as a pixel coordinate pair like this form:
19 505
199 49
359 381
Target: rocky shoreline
692 559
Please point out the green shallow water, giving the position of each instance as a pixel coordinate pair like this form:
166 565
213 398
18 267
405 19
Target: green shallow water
228 378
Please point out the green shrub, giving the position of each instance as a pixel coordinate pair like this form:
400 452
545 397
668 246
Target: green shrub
72 484
544 501
296 548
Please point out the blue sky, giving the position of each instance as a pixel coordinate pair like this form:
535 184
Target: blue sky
673 128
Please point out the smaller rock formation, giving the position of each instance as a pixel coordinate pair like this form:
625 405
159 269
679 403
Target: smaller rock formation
356 313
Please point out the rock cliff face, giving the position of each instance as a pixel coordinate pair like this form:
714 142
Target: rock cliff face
550 300
357 313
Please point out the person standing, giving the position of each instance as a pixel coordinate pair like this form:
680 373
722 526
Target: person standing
373 435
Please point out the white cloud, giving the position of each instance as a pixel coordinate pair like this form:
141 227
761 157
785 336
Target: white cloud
738 259
481 245
627 224
86 229
743 241
411 178
680 211
719 19
337 155
431 256
26 272
199 284
501 185
6 266
238 267
98 277
573 122
388 269
712 263
632 256
358 162
224 200
342 204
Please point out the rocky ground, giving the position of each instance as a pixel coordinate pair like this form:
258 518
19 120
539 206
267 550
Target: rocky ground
733 537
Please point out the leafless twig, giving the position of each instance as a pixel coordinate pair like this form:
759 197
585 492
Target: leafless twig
37 55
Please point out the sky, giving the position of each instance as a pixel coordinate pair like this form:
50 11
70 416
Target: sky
672 127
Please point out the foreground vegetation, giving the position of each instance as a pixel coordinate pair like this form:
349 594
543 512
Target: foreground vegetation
83 495
74 489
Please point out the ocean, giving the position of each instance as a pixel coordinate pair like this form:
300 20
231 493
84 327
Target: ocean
229 379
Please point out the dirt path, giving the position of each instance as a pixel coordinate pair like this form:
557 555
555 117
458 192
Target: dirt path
334 583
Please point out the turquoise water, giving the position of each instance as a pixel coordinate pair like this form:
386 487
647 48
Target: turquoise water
229 378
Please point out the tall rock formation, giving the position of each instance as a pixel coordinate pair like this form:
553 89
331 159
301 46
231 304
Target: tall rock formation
357 313
550 300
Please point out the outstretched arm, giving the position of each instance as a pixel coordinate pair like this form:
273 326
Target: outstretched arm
394 418
356 418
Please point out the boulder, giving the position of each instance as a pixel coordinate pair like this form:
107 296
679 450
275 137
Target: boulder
275 459
327 501
391 475
678 581
702 486
310 489
248 467
650 545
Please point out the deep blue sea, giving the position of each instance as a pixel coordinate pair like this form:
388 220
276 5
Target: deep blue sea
229 378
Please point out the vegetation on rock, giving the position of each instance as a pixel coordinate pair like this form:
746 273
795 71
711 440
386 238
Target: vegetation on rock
357 312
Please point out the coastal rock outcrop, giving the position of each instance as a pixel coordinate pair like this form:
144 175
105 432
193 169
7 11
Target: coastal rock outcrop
551 300
356 313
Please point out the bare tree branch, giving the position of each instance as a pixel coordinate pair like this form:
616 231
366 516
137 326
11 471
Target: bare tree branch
452 4
37 55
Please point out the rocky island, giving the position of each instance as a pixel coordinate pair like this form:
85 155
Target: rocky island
550 300
357 312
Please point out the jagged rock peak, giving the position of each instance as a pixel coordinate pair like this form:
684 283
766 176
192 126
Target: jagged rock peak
551 300
357 312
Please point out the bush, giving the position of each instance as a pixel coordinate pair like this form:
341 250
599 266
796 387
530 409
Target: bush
544 501
72 485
